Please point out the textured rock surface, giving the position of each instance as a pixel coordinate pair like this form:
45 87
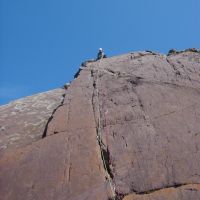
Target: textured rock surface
23 121
191 191
128 127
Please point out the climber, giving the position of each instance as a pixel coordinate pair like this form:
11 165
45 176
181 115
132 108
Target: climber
100 54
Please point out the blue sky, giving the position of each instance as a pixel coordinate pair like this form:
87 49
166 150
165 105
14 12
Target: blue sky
42 42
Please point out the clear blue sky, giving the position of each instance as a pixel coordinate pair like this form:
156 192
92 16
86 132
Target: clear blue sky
42 42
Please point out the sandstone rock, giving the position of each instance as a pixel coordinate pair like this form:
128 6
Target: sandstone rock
23 121
128 128
191 191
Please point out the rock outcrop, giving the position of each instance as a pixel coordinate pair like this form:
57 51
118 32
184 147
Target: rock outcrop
23 121
128 128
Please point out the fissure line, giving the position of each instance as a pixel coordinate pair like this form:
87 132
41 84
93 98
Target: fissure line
99 138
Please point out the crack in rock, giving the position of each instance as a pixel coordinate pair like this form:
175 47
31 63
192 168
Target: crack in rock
134 195
51 117
176 185
105 154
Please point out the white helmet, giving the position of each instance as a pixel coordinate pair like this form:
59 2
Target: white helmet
100 49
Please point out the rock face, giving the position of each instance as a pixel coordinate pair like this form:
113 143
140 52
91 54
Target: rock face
23 121
128 128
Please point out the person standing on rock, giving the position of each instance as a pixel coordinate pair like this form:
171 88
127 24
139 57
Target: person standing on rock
101 54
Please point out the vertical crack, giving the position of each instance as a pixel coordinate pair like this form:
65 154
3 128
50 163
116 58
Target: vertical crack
69 172
105 154
67 168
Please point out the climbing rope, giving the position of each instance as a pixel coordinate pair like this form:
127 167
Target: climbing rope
99 137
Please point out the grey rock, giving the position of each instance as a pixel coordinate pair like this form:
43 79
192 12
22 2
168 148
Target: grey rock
23 121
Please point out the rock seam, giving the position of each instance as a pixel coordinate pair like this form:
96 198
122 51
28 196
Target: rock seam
105 154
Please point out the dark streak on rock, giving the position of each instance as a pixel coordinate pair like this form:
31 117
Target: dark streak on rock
171 64
51 117
105 154
135 80
78 72
175 185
